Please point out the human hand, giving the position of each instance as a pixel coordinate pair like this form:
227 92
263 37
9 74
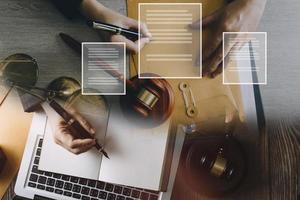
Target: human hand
96 11
237 16
114 18
64 136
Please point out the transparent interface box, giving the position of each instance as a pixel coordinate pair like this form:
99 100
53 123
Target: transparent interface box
175 50
244 58
103 68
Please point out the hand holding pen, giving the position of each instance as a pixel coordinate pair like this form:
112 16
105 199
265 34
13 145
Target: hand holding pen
99 13
72 131
130 35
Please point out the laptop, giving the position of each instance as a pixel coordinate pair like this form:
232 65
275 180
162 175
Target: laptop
33 183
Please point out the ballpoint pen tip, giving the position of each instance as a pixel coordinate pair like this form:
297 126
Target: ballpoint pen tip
105 154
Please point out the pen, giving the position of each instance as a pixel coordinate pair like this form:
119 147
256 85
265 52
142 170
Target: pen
130 34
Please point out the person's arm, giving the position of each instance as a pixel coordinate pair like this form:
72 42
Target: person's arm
237 16
93 10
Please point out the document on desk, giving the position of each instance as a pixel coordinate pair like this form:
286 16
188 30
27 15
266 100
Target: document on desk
136 154
175 50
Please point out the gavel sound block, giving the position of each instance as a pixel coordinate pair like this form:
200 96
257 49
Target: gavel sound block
214 165
149 101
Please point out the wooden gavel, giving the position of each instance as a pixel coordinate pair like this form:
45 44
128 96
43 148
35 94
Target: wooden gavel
144 94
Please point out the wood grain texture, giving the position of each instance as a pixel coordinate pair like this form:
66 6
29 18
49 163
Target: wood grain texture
281 96
284 158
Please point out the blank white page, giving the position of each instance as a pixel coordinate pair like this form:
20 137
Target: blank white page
136 154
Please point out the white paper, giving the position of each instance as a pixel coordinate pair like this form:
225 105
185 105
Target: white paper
136 154
55 158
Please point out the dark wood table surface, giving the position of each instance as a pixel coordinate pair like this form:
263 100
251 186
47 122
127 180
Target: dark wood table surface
280 140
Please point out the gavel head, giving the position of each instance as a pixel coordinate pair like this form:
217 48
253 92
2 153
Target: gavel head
149 100
148 94
214 164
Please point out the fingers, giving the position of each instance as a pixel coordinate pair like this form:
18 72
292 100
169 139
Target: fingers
87 126
217 71
196 24
220 68
143 27
64 137
130 45
214 43
213 63
217 38
217 58
217 67
79 146
145 31
78 143
143 42
214 66
208 20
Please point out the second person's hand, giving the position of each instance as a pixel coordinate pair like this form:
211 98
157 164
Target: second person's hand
237 16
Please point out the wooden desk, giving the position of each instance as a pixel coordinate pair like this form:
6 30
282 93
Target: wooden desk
37 35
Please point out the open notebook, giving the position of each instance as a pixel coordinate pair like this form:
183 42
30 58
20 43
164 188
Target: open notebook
136 154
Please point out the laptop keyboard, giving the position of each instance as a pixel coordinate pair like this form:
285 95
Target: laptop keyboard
81 188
